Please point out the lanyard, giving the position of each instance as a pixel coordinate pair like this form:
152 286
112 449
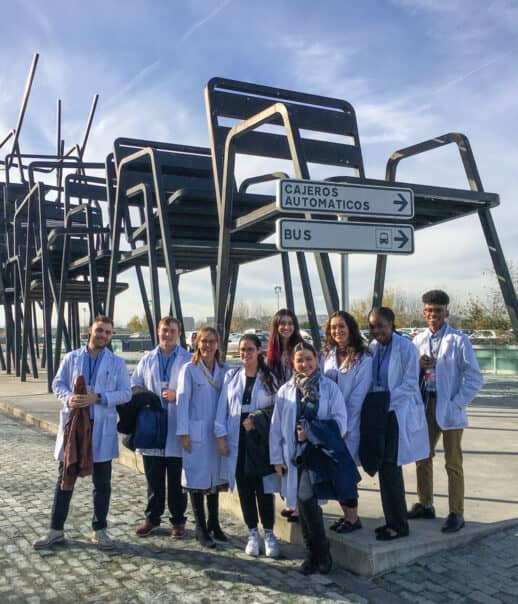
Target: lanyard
379 360
432 356
211 381
92 368
165 368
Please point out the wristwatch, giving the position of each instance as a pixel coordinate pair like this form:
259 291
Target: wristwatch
98 398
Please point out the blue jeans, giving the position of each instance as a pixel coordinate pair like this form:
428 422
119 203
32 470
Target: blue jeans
101 479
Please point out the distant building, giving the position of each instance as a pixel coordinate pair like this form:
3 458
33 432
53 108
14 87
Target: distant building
188 323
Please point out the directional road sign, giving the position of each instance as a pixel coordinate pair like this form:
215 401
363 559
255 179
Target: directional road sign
331 236
344 198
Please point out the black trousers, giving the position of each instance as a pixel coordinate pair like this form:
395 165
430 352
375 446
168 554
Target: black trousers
101 479
392 485
156 469
252 496
310 515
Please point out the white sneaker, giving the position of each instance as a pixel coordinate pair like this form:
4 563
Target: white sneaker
271 546
102 539
52 537
252 547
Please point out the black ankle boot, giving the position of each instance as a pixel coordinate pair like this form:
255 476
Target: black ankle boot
309 566
213 522
198 509
325 562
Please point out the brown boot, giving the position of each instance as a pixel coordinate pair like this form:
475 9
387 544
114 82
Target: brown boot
147 528
178 531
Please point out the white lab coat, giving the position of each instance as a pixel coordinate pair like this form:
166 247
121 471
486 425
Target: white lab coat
406 400
112 381
228 420
354 385
147 374
282 429
197 404
458 377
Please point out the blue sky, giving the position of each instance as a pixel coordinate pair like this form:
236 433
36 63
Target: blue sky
413 69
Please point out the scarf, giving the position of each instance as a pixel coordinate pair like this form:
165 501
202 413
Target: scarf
307 386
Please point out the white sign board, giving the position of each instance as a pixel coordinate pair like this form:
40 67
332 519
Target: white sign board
331 236
324 197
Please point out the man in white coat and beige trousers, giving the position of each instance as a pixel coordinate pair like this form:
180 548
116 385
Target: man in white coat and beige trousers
450 380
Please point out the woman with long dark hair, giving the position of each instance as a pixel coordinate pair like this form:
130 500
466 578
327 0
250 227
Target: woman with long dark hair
242 426
395 370
284 336
199 387
345 358
310 416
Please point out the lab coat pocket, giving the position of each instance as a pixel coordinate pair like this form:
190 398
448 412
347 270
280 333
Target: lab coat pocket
197 430
110 424
416 416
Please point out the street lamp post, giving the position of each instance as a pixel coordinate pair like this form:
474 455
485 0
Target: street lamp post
277 289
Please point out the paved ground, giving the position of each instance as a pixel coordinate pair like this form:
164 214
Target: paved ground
160 570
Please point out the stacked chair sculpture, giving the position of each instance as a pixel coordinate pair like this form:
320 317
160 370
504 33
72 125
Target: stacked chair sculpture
70 228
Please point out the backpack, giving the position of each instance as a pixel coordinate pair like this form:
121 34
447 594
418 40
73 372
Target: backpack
151 428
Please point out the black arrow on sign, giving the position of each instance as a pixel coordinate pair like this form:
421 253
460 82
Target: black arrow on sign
401 202
403 239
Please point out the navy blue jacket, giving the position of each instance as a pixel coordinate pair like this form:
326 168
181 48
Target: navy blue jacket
332 470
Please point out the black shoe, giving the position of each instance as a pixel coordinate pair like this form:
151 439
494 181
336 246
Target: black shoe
388 534
380 529
309 566
337 524
325 563
217 533
349 527
426 512
453 523
204 538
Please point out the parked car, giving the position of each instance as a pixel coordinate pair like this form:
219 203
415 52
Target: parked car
306 335
233 341
484 336
190 340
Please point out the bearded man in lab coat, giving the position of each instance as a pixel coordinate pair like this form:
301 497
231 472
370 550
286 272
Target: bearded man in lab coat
108 385
450 380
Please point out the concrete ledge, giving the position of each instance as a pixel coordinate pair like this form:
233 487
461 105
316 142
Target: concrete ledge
30 419
361 554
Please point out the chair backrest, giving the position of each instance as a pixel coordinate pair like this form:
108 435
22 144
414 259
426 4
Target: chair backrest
181 166
327 126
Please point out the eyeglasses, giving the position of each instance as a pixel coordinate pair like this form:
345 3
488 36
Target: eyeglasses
438 310
249 350
286 323
204 341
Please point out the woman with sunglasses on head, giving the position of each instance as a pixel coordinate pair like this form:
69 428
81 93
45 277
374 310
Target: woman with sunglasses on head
345 358
308 420
395 370
199 387
284 336
242 425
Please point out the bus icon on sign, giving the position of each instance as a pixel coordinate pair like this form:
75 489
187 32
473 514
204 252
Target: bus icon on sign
383 239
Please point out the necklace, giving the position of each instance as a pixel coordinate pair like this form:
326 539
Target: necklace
211 381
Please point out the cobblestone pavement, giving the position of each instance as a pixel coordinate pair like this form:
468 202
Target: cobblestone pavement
158 569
